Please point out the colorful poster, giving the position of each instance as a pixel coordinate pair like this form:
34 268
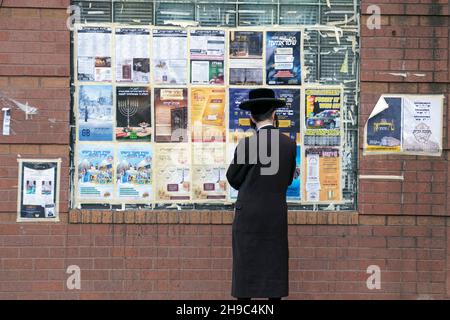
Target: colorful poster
384 128
207 52
94 54
171 115
246 57
95 113
283 65
208 114
38 193
95 172
231 147
169 57
293 192
209 171
422 124
322 174
323 109
132 55
134 172
133 114
239 122
172 172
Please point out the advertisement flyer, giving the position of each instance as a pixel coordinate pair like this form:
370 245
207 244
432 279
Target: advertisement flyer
288 116
133 114
322 174
323 109
95 113
207 53
94 54
293 192
422 124
209 180
231 147
172 172
95 172
132 55
169 57
384 129
134 172
171 114
208 114
246 57
38 194
283 65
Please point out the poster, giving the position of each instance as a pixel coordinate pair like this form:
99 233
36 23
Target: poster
293 192
133 114
169 57
208 114
134 172
94 54
209 171
172 172
132 55
384 129
323 109
231 147
322 174
95 113
283 65
246 57
38 192
288 116
95 172
422 124
207 53
171 115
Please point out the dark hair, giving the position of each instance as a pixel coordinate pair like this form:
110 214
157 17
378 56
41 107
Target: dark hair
263 116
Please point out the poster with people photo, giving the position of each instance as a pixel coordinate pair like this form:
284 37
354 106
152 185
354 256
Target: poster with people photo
246 58
171 114
133 114
38 190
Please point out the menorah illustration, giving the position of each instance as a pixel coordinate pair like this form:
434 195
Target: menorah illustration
128 108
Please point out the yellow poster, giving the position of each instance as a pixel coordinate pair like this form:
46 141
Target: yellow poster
208 114
172 172
322 181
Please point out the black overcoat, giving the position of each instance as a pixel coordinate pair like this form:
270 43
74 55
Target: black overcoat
260 237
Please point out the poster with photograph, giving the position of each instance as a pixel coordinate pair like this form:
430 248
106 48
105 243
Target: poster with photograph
95 172
134 172
384 128
171 114
133 114
207 52
293 192
283 65
169 57
38 192
322 179
94 54
208 114
209 180
323 109
95 113
246 58
172 172
132 55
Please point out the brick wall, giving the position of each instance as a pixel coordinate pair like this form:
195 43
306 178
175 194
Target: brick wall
402 227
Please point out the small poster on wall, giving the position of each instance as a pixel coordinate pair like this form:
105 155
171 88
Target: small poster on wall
38 197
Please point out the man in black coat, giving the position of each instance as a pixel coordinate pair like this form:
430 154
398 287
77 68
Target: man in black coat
262 169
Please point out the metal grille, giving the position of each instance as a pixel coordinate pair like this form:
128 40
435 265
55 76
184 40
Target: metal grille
133 12
174 11
94 11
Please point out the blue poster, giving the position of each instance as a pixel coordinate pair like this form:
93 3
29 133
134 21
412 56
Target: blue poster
283 65
95 113
293 192
239 122
385 128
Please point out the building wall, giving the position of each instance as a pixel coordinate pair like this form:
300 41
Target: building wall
402 227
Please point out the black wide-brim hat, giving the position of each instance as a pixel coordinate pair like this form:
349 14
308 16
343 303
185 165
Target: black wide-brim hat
261 101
